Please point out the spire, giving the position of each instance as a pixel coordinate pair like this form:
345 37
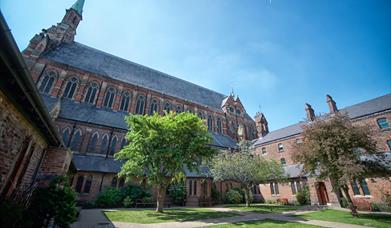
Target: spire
78 7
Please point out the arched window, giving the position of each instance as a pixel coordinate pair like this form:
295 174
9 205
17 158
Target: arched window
104 144
200 115
76 141
47 82
178 109
70 88
167 107
79 184
92 143
210 121
121 182
125 101
87 185
190 187
114 182
123 143
219 125
140 105
282 161
154 106
113 145
65 135
238 111
195 188
382 123
109 98
91 93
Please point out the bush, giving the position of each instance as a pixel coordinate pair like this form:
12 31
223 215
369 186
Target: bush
303 196
344 202
12 215
380 207
178 193
271 201
282 201
110 197
128 202
216 195
234 196
134 192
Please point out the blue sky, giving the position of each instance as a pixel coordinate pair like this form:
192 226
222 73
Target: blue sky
275 54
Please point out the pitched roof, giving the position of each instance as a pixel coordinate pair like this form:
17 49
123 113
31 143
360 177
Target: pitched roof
362 109
94 163
88 113
92 60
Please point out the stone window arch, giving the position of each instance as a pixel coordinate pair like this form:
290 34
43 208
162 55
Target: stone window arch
210 122
140 105
79 183
47 82
66 134
104 144
91 92
154 107
125 99
76 138
70 87
109 97
167 107
178 109
123 143
92 143
219 128
113 145
201 115
87 184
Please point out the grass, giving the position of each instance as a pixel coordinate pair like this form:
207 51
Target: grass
372 220
264 223
263 208
147 216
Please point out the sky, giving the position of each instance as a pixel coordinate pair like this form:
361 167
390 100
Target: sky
276 55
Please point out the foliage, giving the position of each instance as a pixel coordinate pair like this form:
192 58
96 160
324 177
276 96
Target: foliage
303 196
12 215
234 196
110 197
332 148
343 202
272 201
245 169
161 146
177 192
128 201
282 201
134 192
55 202
216 195
380 207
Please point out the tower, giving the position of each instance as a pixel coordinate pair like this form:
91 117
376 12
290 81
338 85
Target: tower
261 123
63 32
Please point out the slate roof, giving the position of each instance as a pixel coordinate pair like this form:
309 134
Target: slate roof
94 163
92 60
88 113
362 109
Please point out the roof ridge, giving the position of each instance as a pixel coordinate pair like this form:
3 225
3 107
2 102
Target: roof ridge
149 68
367 101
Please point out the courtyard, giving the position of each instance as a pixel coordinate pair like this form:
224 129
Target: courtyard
257 215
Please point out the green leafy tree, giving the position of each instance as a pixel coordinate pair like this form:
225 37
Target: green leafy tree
245 168
332 148
160 146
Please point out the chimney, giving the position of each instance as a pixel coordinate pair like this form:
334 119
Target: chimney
310 112
261 124
332 105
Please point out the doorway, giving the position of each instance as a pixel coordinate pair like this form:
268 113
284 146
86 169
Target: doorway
322 193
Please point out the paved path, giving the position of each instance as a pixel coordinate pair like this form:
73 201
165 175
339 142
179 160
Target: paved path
94 218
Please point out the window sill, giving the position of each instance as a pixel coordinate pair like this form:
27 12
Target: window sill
361 196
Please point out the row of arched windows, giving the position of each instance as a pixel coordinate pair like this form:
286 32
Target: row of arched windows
92 146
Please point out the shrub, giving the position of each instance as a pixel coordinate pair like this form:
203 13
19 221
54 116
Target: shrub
271 201
128 202
234 196
216 195
303 196
178 193
134 192
282 201
12 215
110 197
344 202
380 207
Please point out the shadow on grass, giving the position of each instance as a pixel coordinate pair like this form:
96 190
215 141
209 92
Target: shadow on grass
261 208
264 223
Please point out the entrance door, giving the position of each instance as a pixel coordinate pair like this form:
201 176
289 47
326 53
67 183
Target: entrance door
322 194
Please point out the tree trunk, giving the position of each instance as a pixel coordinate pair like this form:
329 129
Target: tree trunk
352 207
161 194
247 195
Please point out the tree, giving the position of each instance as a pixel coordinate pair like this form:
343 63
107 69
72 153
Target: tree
245 168
332 148
160 146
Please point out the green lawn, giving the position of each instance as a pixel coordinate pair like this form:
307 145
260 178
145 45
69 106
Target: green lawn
372 220
147 216
263 208
265 223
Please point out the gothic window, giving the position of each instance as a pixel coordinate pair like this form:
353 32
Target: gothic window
121 182
109 98
195 188
219 125
91 93
210 121
79 184
113 145
274 188
356 190
123 143
87 185
92 143
238 111
154 106
114 182
200 115
283 161
76 141
74 20
295 187
140 105
47 82
70 88
231 109
105 144
167 107
125 101
178 109
65 135
190 187
364 187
